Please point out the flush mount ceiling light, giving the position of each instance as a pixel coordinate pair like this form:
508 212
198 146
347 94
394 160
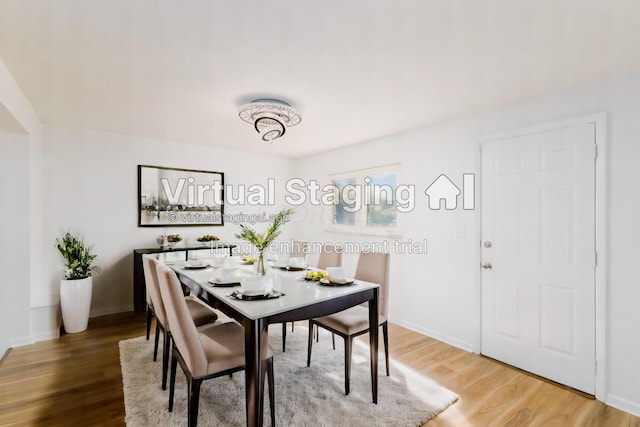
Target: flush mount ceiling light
270 117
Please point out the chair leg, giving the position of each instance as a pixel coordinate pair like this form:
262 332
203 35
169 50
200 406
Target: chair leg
263 372
193 402
284 336
149 318
155 346
267 369
317 333
333 340
172 380
272 396
310 343
347 364
166 349
385 336
293 325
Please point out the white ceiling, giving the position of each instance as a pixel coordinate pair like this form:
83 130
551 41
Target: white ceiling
356 69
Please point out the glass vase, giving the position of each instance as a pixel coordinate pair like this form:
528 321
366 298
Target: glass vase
260 270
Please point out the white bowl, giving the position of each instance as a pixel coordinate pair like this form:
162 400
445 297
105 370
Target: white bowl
257 283
228 275
336 273
297 262
282 260
218 260
195 263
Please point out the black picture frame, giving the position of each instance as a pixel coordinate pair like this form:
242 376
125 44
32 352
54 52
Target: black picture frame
172 197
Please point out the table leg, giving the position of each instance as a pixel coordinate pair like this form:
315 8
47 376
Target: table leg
373 343
253 336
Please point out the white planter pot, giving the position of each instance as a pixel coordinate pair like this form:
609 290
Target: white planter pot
75 300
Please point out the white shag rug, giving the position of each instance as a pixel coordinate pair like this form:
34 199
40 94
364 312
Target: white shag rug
311 396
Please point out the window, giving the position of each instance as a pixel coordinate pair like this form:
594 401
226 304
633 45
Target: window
344 211
381 210
368 201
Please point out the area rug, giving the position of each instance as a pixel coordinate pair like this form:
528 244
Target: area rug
311 396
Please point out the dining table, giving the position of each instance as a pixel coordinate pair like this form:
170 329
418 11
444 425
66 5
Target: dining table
292 299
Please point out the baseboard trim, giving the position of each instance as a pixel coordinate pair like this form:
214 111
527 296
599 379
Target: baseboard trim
17 342
463 345
45 322
47 335
623 404
111 310
5 355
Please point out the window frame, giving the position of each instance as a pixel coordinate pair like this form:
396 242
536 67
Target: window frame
361 225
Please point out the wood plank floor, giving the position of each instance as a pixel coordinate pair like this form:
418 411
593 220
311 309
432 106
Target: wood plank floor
76 381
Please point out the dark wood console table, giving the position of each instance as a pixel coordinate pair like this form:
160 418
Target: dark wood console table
139 287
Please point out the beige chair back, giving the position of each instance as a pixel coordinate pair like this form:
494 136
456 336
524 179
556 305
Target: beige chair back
330 257
299 248
374 268
183 329
149 265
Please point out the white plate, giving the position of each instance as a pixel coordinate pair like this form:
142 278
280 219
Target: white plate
196 265
345 281
220 282
253 293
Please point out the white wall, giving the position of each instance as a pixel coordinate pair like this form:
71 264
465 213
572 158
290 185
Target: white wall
14 243
444 274
439 293
18 114
90 187
20 133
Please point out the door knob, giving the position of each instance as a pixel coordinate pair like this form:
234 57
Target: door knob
487 266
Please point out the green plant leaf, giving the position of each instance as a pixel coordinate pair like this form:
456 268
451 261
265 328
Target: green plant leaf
262 241
77 255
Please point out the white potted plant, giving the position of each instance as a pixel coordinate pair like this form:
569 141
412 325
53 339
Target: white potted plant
76 287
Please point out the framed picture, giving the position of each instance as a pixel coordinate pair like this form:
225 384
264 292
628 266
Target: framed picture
169 197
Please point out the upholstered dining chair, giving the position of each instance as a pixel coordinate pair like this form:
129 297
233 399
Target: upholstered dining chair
204 353
200 313
299 248
354 321
330 256
150 313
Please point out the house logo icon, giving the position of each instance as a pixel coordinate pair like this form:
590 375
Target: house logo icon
444 189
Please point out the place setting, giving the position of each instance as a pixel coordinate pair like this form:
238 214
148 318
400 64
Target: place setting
253 294
286 263
227 277
334 276
196 264
255 288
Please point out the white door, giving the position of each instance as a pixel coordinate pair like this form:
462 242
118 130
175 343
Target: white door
538 253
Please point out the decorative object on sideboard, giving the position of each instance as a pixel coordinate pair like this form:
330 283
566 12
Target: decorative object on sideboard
77 285
270 117
162 241
173 240
207 238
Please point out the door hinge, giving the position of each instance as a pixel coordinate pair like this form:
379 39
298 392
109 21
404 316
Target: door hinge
595 367
595 151
595 259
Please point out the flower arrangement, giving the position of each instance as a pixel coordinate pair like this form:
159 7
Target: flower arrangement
262 241
78 257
